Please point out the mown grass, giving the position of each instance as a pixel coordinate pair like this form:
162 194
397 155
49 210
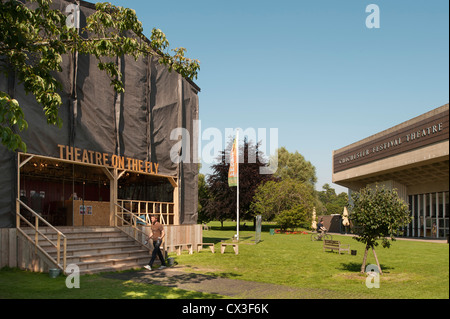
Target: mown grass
411 269
18 284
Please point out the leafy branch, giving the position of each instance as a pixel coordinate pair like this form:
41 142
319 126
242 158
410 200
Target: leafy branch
32 43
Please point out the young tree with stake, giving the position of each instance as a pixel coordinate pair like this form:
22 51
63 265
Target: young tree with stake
377 213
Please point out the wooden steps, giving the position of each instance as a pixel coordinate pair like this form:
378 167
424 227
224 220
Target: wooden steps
96 249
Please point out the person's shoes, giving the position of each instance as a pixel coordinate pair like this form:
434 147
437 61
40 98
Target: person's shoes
162 267
148 267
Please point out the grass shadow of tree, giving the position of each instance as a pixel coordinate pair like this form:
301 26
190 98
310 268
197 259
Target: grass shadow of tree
356 267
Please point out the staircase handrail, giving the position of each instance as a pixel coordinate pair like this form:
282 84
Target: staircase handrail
134 218
38 219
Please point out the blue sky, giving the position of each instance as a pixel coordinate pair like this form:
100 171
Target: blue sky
312 69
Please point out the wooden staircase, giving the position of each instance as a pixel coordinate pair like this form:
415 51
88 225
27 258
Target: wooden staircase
97 249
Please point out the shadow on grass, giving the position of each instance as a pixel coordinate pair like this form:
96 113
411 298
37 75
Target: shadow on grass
169 279
216 240
213 240
356 267
264 228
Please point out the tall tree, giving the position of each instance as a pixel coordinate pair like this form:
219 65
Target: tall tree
33 40
286 201
295 166
222 198
377 213
332 203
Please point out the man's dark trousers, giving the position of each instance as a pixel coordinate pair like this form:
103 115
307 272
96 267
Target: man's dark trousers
157 251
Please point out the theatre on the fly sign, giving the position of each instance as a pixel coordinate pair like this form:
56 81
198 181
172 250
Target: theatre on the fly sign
411 157
108 167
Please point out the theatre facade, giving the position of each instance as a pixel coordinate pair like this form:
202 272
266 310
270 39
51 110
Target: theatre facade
411 157
116 159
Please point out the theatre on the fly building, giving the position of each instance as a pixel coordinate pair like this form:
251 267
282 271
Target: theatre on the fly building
111 164
411 157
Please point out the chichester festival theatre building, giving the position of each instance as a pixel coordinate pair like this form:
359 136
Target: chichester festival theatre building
107 169
412 157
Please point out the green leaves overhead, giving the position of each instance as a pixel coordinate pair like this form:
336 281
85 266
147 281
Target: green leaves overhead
32 42
12 115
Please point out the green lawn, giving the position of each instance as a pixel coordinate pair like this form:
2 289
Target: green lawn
410 270
17 284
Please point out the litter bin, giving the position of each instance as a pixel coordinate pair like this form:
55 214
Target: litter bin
54 272
353 252
272 231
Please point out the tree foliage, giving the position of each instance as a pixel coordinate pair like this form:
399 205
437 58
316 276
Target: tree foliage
286 201
33 41
295 166
378 213
289 198
222 199
332 203
203 197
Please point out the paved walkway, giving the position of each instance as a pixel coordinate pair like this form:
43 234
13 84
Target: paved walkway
177 277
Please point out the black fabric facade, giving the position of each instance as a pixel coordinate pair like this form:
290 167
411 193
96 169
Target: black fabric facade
136 124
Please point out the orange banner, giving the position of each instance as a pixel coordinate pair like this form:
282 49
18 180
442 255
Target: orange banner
233 172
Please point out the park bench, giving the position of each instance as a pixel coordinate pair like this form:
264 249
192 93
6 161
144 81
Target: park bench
224 245
179 246
335 245
200 246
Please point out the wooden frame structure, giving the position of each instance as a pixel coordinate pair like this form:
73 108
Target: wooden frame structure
167 211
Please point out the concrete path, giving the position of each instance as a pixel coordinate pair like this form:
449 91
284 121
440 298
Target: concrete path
177 277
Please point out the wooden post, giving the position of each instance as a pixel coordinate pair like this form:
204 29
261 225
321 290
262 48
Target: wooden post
113 182
58 249
112 194
363 266
17 214
18 192
376 258
176 203
36 234
64 254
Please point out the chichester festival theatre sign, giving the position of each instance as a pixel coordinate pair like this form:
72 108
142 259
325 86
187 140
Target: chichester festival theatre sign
429 131
79 155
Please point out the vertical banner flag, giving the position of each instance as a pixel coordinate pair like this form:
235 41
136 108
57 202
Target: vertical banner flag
233 172
233 175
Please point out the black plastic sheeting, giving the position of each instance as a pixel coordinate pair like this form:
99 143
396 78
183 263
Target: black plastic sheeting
136 124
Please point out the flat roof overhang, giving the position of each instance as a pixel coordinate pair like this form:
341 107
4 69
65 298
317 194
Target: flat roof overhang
427 165
415 152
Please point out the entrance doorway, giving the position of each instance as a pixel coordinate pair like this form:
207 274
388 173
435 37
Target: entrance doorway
430 215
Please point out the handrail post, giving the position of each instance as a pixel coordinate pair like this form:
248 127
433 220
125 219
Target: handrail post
135 226
58 248
17 213
64 253
36 234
